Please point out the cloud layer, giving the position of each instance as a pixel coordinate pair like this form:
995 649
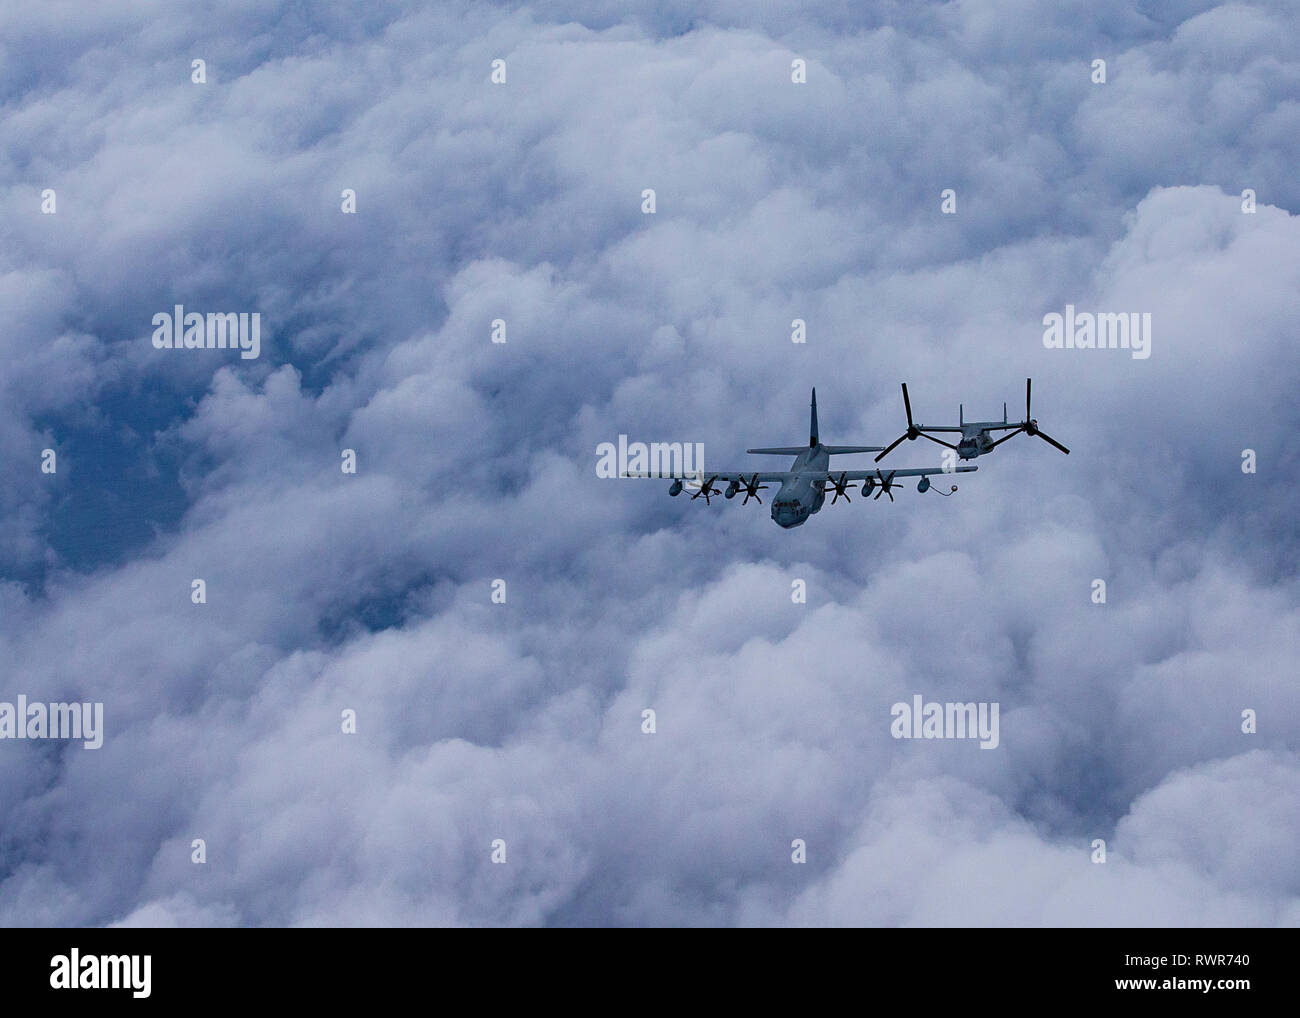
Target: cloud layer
522 721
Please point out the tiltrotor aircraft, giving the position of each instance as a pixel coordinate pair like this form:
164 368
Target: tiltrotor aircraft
976 437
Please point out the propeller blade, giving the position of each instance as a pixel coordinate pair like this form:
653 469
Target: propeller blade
890 448
707 489
939 441
1049 438
1010 434
907 404
840 488
752 488
1028 383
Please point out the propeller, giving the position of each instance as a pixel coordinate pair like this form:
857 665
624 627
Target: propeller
752 488
913 432
1030 426
707 489
886 482
840 487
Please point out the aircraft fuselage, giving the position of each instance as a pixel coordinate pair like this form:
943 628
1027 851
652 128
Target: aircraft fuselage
975 441
799 498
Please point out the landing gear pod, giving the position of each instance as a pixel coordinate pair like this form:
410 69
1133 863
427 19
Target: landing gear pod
675 488
732 488
923 484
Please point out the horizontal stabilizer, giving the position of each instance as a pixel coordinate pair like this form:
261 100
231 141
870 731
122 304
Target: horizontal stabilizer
834 449
783 450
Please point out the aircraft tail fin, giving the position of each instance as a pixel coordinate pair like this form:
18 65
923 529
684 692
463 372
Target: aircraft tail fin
812 429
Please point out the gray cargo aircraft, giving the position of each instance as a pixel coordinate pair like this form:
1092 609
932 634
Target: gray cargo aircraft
804 486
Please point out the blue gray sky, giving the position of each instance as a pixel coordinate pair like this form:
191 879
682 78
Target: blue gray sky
476 461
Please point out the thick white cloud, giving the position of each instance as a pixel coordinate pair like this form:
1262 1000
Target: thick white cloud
476 721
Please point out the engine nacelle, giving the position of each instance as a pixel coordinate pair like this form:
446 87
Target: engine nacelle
675 488
923 485
732 488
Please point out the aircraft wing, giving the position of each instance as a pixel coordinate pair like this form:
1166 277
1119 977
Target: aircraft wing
812 475
727 475
834 450
862 475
